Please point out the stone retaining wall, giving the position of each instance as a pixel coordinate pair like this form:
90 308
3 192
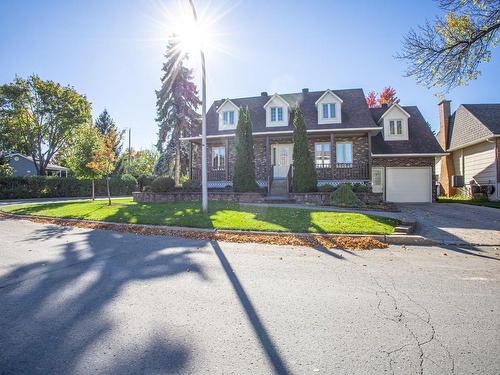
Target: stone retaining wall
322 198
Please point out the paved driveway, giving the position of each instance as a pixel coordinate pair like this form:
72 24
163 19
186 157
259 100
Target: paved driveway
453 222
76 301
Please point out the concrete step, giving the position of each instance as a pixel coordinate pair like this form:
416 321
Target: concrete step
406 227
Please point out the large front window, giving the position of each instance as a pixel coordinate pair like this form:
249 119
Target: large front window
218 158
276 114
344 153
322 154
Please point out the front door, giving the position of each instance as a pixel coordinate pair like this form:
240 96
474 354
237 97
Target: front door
281 158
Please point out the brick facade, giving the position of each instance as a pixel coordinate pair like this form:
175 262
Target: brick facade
359 143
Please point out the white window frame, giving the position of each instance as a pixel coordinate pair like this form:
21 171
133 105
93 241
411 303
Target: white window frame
378 187
277 118
227 121
331 114
396 127
319 159
337 148
218 153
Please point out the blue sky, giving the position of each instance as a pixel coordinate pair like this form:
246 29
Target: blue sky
112 51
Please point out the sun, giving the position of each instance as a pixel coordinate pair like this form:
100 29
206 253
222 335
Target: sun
192 36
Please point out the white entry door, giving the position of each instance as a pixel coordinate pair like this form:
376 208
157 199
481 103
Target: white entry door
281 159
410 184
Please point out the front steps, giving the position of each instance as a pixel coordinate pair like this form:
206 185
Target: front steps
278 192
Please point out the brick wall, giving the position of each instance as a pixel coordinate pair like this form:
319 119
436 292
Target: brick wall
360 151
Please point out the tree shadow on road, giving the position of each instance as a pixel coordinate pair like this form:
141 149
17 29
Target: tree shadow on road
55 313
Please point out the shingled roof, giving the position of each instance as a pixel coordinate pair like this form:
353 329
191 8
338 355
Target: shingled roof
473 122
420 137
355 112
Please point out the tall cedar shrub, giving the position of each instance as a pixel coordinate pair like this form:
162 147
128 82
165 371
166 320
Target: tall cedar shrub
304 171
244 164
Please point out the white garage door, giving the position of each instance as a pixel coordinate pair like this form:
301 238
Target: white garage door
409 184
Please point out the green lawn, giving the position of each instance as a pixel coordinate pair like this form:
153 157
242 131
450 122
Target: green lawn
222 215
484 203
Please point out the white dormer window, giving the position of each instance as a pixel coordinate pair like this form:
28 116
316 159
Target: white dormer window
395 123
277 111
396 127
329 108
276 114
228 115
228 118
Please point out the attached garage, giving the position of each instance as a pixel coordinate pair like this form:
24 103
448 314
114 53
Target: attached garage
408 184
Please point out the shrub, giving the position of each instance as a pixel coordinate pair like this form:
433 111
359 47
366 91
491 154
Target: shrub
244 163
56 187
144 181
304 170
163 184
129 182
326 188
190 185
361 188
344 196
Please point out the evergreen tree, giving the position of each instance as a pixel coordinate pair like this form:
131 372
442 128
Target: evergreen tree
176 103
106 124
244 164
304 171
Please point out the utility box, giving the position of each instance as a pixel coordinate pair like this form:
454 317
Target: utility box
457 181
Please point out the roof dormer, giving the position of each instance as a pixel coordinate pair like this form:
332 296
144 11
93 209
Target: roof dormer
395 123
329 107
277 111
228 115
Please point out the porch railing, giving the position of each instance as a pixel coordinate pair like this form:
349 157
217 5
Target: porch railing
213 175
343 171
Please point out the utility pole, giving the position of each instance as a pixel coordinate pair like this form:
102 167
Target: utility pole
204 180
129 149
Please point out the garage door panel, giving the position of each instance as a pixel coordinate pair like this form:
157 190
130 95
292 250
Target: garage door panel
408 184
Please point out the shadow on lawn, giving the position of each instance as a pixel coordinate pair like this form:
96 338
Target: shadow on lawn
53 314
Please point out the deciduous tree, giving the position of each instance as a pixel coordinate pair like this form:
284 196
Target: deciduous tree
39 118
447 52
388 96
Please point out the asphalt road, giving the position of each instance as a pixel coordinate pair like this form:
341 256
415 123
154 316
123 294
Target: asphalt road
75 301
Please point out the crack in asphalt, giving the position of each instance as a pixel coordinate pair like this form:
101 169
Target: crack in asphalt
402 317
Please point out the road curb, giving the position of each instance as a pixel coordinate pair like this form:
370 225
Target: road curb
390 239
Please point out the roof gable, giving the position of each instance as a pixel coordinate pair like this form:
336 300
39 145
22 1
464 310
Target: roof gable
227 101
472 123
276 96
392 108
325 94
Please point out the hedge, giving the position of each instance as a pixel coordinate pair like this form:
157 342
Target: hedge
55 187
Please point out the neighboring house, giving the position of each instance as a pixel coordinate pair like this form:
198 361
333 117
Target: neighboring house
23 166
391 147
472 137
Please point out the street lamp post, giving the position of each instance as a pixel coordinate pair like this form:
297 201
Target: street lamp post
204 182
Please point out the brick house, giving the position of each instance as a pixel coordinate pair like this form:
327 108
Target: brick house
390 147
471 136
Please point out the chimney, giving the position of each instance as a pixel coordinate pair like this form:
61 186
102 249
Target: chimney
263 93
447 165
444 122
305 91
